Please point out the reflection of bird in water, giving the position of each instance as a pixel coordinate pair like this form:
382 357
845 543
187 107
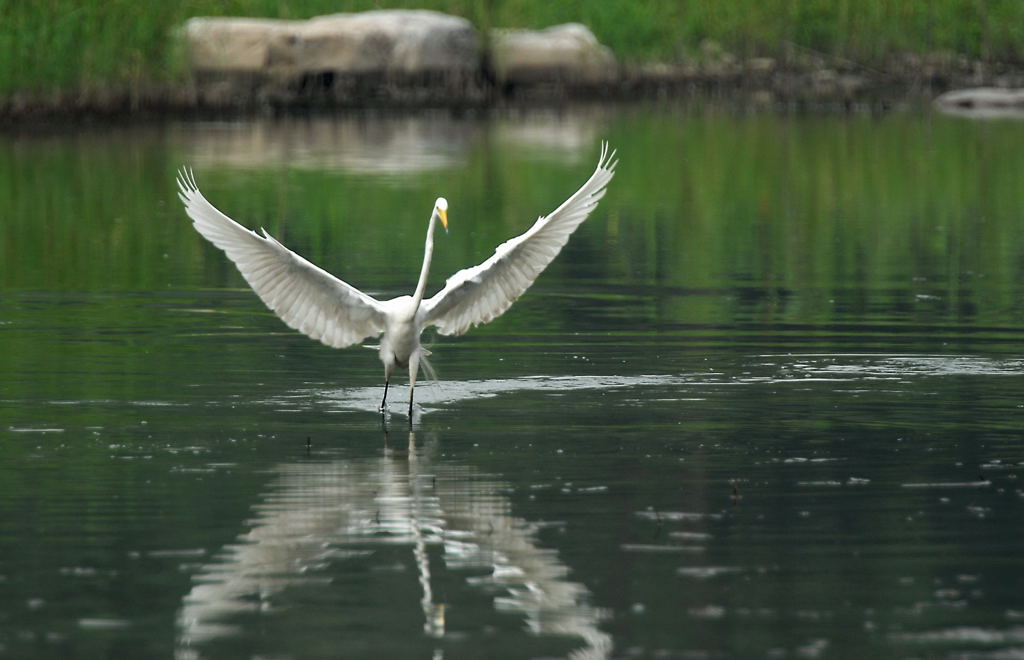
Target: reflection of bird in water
356 520
324 307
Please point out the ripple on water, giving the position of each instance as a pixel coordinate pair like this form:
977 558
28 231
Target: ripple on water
771 369
441 393
677 516
657 548
964 635
707 572
901 366
981 483
103 624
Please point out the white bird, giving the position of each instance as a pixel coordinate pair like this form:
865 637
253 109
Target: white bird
318 304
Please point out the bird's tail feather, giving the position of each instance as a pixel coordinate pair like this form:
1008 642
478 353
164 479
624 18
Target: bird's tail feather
428 369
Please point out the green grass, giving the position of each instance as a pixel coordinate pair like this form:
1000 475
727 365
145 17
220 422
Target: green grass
85 46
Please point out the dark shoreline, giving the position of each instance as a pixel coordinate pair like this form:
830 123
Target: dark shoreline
756 82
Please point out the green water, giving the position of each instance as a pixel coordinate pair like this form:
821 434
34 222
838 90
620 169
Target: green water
768 401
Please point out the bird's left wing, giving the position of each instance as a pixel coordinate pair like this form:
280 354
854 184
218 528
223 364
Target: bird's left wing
306 297
479 294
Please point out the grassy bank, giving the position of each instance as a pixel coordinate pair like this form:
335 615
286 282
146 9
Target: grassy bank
70 47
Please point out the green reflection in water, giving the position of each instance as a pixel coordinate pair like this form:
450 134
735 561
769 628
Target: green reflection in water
703 200
832 231
823 311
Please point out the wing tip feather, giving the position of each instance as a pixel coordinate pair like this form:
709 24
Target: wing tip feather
607 161
454 316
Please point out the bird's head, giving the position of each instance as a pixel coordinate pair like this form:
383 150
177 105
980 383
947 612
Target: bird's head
441 209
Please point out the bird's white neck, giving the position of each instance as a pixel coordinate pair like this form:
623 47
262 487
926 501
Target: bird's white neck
428 250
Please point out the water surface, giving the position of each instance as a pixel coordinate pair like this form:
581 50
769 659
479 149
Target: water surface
767 402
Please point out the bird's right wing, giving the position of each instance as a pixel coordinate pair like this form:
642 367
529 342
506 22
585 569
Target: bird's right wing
476 295
306 297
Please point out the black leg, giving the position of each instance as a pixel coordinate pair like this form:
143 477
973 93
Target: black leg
384 401
411 390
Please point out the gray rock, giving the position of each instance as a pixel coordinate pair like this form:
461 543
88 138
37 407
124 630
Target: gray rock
393 56
387 41
374 42
761 65
982 102
566 53
240 45
982 97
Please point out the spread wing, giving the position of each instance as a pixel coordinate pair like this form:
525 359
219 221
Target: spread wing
306 297
479 294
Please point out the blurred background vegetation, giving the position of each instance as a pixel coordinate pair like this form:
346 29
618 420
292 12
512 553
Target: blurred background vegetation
87 46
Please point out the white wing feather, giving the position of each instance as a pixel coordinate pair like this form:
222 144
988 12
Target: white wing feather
307 298
479 294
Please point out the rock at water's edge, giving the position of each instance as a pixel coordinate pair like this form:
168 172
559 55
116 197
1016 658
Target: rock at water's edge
980 98
238 45
564 53
386 41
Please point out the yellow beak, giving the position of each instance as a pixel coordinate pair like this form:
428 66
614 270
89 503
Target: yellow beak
443 214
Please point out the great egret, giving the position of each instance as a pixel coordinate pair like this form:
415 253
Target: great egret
314 302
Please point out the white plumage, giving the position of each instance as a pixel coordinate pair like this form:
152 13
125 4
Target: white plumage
318 304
